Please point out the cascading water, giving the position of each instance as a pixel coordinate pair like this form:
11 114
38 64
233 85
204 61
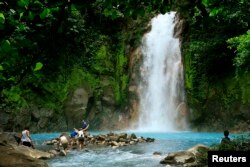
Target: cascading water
161 88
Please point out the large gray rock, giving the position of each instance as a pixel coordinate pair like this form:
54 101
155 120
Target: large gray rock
10 157
186 158
76 106
14 155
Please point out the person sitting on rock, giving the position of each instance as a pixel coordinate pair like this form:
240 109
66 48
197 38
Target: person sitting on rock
225 139
26 139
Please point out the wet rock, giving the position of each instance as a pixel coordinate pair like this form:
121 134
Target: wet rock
157 153
62 153
133 136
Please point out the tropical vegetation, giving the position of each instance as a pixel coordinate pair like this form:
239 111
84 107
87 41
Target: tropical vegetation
48 48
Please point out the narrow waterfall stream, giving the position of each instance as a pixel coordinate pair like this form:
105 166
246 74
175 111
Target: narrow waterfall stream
161 87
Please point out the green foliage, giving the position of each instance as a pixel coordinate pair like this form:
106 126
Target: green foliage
244 87
201 157
45 13
112 13
241 44
23 3
121 77
120 87
233 12
13 98
79 77
103 59
215 51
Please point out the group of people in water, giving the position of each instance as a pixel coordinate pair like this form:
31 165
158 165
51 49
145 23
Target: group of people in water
76 137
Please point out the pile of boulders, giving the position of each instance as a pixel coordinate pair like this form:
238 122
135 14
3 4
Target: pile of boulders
111 139
117 140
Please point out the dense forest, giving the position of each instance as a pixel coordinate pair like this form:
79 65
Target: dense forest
48 49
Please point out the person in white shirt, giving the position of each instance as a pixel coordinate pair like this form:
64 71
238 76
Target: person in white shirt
63 141
80 138
26 139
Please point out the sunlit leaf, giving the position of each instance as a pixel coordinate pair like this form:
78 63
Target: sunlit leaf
6 46
12 11
11 79
45 13
23 3
215 11
2 18
38 67
20 15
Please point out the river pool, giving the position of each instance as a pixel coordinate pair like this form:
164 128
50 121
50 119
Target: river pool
139 155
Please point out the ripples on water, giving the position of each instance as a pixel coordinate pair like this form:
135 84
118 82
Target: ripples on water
139 155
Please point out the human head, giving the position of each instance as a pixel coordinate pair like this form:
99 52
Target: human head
26 128
226 133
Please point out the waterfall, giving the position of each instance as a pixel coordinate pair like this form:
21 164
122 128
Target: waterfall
161 89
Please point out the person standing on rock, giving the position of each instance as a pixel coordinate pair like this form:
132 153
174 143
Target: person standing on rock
73 137
26 139
63 141
80 138
85 127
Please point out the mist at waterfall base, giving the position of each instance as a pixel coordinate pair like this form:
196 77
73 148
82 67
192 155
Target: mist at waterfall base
161 90
138 155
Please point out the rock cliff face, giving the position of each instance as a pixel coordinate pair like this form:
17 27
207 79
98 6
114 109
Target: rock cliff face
99 109
134 74
76 107
38 118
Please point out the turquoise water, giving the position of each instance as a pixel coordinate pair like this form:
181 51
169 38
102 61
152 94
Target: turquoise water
139 155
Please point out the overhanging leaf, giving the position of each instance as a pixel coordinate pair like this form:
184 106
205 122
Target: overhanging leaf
45 13
5 46
2 18
38 67
23 3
